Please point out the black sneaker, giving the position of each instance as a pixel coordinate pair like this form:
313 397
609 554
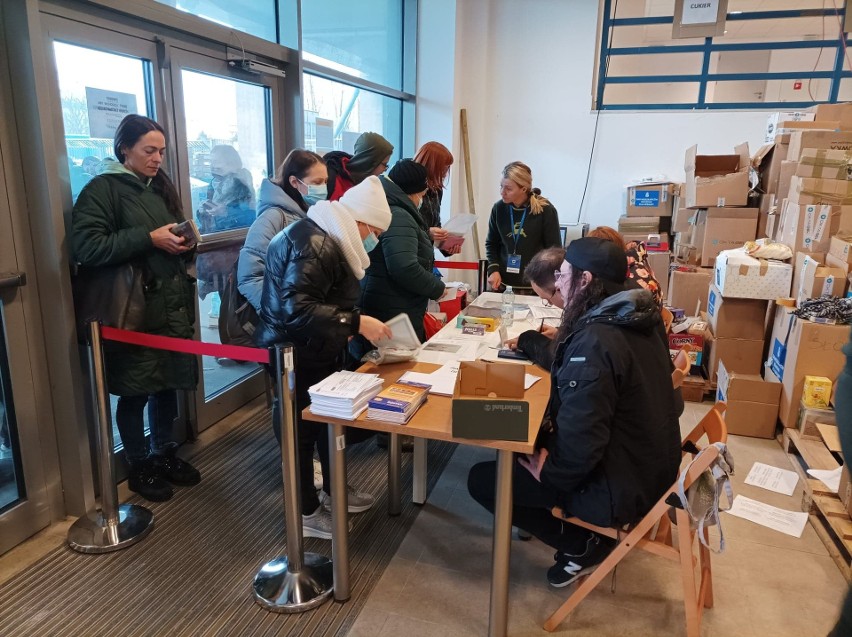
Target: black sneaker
177 471
145 480
570 567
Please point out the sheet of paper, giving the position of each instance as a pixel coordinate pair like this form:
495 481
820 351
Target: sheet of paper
530 380
540 312
460 224
772 478
404 337
788 522
442 381
830 478
441 352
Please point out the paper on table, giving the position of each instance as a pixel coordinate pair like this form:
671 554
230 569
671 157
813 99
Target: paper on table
441 352
830 478
442 380
530 380
772 478
540 312
789 522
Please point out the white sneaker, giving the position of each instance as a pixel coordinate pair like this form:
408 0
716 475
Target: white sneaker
357 501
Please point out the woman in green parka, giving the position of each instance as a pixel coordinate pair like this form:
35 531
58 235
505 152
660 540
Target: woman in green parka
126 214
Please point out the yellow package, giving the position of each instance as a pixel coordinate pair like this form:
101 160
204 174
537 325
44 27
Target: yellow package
816 392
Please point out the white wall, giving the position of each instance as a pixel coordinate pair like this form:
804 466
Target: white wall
523 71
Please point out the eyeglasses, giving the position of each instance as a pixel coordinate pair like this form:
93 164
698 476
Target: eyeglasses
548 302
381 163
558 274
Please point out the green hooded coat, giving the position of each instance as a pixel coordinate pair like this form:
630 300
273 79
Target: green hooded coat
110 224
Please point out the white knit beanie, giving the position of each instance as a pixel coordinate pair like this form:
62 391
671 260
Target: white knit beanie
368 204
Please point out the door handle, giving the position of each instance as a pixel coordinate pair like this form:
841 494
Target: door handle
12 280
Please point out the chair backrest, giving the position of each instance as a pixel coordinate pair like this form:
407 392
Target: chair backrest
681 363
712 426
668 317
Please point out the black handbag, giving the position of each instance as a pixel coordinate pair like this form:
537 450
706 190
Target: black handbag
111 294
237 317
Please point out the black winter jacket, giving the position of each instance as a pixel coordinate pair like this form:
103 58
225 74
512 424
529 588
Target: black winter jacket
309 295
615 448
400 278
537 347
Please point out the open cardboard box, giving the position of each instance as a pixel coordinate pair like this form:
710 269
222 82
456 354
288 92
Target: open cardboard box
717 180
488 402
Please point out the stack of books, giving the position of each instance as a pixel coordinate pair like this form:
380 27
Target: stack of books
399 402
344 394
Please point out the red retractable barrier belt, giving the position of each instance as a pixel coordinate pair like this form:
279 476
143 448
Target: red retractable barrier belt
186 346
457 265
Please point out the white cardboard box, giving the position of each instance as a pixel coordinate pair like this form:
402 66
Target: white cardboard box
737 275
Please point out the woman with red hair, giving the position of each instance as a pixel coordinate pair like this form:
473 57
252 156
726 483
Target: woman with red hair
437 159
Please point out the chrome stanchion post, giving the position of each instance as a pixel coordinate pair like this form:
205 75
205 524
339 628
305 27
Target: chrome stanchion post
394 467
339 513
298 581
482 275
113 527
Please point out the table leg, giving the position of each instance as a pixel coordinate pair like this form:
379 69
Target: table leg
498 615
394 465
418 486
339 513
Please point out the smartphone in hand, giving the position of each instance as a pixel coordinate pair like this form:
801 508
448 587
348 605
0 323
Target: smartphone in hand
514 354
189 231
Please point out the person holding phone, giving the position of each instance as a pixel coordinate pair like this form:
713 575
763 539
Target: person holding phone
127 213
522 223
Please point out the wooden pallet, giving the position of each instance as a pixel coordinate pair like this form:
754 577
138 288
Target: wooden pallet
827 514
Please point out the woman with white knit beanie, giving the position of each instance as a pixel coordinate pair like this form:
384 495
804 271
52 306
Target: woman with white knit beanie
309 294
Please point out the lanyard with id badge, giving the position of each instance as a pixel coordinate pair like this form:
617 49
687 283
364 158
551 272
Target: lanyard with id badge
513 263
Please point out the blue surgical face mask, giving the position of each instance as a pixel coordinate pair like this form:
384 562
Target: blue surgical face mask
316 192
370 242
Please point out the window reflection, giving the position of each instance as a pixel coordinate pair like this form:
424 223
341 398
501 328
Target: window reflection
11 484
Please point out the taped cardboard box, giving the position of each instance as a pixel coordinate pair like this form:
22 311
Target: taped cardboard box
840 248
718 229
839 112
776 120
752 403
717 180
772 173
807 191
817 280
741 355
799 260
682 220
788 170
800 348
825 164
738 275
488 402
736 318
810 417
689 289
809 228
650 199
829 140
645 225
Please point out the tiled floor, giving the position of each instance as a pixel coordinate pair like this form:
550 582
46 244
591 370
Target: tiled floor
765 583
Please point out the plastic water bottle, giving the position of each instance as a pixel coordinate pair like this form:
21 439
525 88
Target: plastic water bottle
507 312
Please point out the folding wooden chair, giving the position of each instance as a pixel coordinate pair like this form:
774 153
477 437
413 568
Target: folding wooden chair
681 363
696 595
668 318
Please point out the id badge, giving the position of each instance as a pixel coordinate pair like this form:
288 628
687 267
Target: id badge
513 264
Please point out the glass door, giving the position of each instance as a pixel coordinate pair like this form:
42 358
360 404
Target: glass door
224 115
23 491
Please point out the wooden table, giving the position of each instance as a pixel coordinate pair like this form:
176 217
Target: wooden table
433 421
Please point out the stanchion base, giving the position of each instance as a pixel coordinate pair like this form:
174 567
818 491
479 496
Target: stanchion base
279 590
91 534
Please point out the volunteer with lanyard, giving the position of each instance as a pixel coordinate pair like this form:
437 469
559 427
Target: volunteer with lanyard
522 223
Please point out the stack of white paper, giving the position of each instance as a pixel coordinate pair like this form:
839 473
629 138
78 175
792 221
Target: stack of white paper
344 394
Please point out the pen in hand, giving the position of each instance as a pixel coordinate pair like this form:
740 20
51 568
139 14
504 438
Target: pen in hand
541 327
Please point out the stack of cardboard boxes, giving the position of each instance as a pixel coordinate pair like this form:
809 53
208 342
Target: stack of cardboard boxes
648 217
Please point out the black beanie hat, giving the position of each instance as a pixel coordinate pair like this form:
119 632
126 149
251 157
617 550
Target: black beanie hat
409 176
602 258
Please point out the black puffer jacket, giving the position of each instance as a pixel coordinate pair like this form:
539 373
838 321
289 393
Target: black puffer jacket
309 295
400 278
616 444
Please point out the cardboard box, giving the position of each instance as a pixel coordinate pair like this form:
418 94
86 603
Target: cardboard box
810 417
718 229
744 356
694 342
736 318
738 275
776 120
838 112
800 348
788 171
806 191
659 263
650 199
829 140
771 175
643 225
717 180
818 280
834 262
810 228
689 289
825 164
840 247
488 402
752 403
816 392
682 220
799 261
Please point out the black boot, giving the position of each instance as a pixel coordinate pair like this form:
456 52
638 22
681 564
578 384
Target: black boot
175 470
145 480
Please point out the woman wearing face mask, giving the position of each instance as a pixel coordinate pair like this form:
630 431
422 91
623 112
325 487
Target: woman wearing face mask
299 183
400 279
309 299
